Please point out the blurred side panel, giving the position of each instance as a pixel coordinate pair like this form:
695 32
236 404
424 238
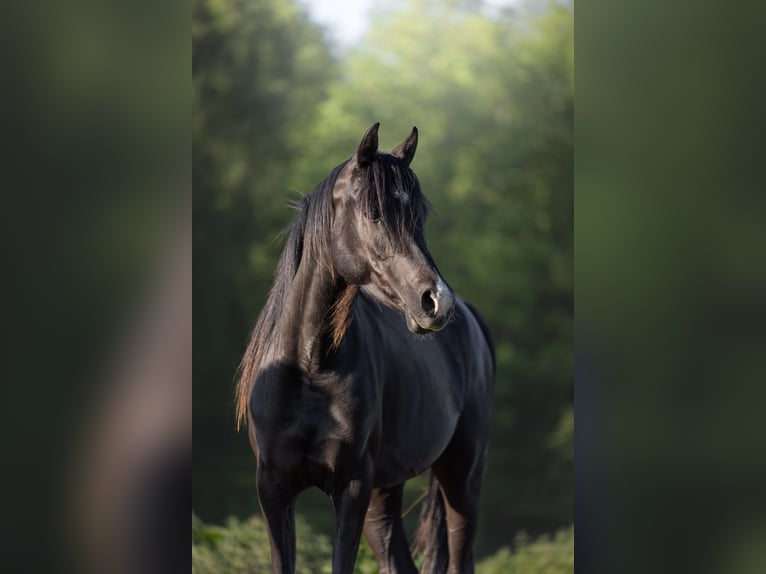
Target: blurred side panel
669 243
95 222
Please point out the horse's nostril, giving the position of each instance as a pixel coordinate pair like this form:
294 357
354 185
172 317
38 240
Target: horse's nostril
429 303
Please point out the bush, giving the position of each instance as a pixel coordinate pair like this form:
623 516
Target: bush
546 555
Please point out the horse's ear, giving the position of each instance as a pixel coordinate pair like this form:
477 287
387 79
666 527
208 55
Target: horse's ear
406 150
368 147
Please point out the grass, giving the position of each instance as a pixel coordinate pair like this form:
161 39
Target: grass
242 547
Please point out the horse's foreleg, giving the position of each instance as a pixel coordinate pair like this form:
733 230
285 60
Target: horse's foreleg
277 499
460 484
351 500
384 531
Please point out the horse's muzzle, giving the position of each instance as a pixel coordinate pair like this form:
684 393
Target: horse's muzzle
436 307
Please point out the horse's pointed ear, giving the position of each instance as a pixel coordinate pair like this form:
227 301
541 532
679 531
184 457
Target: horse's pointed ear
368 147
406 150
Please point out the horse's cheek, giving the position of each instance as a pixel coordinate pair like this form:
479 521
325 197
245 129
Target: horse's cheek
349 264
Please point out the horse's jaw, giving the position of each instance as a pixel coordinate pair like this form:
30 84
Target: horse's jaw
425 325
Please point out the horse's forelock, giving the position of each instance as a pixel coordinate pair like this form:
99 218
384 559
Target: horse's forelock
392 192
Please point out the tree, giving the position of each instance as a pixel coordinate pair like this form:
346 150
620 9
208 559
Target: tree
259 69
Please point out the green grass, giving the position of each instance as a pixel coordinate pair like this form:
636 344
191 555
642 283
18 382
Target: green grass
242 547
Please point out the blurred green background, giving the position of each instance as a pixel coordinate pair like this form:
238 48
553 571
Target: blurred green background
277 103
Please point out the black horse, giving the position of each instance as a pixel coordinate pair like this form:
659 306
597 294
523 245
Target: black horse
364 370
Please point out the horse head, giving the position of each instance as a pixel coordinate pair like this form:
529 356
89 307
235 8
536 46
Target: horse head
378 241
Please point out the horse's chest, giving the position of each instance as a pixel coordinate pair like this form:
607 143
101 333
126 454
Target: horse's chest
306 429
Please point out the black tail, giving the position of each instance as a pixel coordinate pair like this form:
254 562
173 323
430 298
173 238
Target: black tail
431 535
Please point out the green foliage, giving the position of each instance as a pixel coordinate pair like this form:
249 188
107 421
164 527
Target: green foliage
260 68
243 548
545 555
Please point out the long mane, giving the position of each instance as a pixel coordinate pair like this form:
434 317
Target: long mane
308 237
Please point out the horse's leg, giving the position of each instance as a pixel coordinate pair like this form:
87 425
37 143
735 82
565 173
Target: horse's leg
277 498
384 531
459 471
461 498
351 500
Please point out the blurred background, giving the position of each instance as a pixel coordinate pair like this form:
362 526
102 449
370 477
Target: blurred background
282 92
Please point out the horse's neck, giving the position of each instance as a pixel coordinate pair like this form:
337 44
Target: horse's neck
305 321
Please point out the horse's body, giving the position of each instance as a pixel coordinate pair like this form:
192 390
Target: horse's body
343 396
